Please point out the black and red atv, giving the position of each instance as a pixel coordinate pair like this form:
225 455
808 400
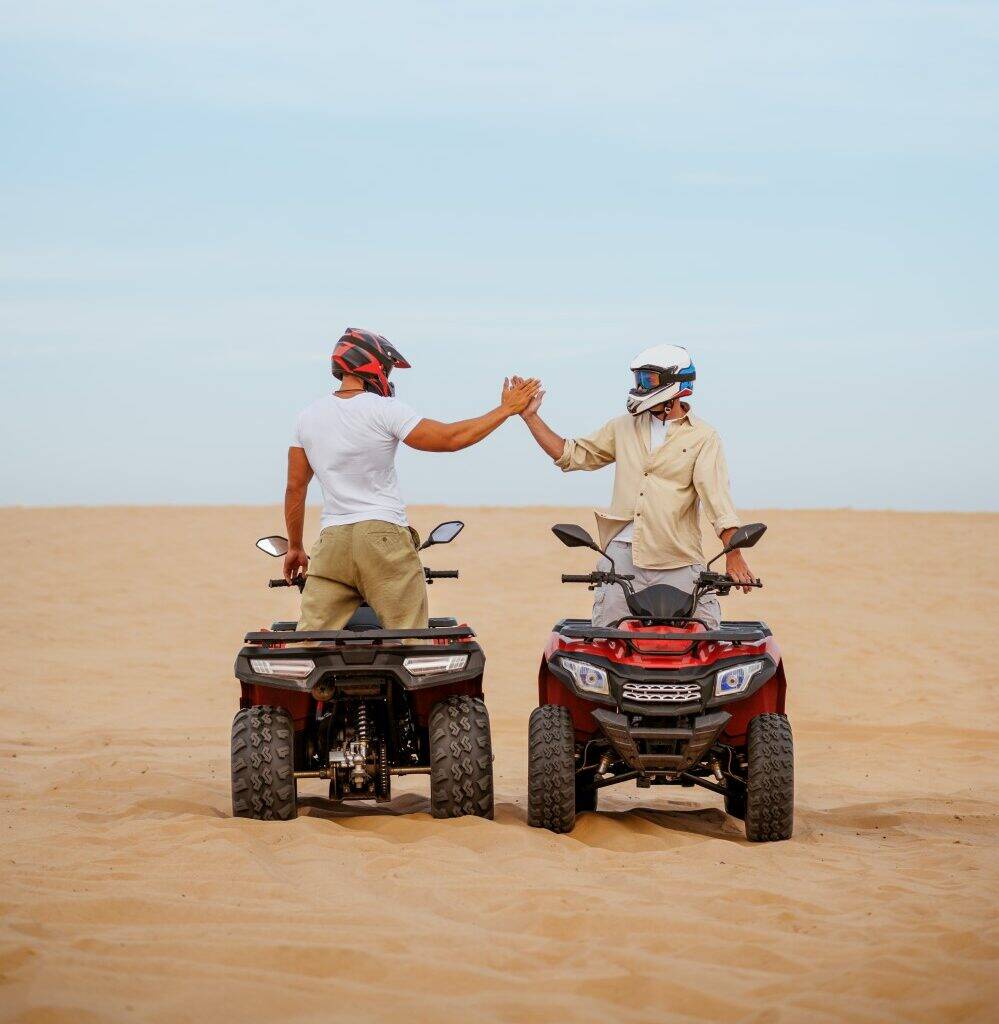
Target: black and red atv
661 699
359 705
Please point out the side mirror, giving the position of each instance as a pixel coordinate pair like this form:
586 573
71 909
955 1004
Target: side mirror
573 536
746 536
273 546
443 533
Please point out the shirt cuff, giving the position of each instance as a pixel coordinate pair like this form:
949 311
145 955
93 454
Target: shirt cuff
726 523
563 460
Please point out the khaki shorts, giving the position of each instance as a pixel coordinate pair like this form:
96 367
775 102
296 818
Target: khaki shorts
371 561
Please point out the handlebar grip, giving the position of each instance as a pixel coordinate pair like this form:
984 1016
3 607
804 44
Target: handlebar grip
298 581
727 580
754 583
568 577
442 574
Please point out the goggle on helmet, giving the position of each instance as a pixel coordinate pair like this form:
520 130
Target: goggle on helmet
651 378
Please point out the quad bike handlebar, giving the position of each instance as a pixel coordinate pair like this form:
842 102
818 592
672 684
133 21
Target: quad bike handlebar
661 601
440 574
704 580
722 579
594 578
298 581
705 583
431 574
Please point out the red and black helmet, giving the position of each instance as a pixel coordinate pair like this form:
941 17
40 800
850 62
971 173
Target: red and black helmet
369 356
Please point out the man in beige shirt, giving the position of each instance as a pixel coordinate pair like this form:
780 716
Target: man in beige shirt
668 465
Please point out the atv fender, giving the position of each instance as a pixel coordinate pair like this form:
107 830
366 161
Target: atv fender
424 700
551 690
768 699
295 702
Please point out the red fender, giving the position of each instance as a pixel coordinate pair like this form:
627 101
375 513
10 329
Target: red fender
298 705
768 699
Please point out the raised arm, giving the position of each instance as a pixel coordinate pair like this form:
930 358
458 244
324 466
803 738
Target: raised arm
433 436
551 444
296 561
588 453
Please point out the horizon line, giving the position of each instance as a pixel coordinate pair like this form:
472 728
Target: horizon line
139 506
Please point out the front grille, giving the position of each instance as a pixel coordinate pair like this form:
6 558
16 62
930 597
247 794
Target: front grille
673 693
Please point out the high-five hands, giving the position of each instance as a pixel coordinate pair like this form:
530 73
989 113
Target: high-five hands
518 394
535 403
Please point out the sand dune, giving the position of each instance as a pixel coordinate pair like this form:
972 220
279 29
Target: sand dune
129 892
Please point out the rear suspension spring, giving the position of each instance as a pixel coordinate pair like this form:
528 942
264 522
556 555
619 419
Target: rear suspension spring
361 723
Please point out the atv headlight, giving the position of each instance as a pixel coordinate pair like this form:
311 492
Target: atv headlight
588 677
287 668
736 679
434 664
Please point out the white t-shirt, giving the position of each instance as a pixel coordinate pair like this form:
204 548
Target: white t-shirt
658 429
350 444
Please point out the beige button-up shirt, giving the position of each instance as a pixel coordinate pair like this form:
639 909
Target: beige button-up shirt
661 491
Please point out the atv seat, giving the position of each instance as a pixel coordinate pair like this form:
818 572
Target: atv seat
364 618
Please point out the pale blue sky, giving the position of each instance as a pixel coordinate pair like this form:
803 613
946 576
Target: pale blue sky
196 198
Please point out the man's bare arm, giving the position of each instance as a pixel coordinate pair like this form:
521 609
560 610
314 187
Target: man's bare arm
433 436
299 474
552 444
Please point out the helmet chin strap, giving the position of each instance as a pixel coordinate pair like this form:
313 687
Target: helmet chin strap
667 408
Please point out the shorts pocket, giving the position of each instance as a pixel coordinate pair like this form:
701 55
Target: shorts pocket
388 543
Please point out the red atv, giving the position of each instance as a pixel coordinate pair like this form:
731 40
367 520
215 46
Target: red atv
660 699
358 706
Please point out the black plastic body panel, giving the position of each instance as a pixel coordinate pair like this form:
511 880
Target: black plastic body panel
618 675
383 660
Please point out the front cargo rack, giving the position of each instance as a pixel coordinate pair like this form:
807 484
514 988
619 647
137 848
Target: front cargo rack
733 633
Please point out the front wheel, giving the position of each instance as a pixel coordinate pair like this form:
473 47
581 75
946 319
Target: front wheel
551 769
263 764
461 759
770 779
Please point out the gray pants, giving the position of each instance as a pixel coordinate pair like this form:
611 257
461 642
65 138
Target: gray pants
609 603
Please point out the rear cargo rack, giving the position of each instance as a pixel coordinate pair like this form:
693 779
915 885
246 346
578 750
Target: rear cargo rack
371 636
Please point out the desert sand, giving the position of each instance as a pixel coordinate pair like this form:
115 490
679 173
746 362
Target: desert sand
130 893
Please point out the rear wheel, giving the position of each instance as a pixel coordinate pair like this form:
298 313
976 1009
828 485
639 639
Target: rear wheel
461 759
770 779
263 764
551 770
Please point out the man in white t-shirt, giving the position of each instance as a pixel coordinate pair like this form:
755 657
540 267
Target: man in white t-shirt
348 439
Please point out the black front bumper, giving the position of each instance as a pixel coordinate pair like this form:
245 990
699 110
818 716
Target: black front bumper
652 749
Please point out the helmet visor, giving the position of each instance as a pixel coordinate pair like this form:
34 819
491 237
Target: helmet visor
648 380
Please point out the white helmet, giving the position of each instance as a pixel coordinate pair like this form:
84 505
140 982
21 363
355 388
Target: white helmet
662 373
